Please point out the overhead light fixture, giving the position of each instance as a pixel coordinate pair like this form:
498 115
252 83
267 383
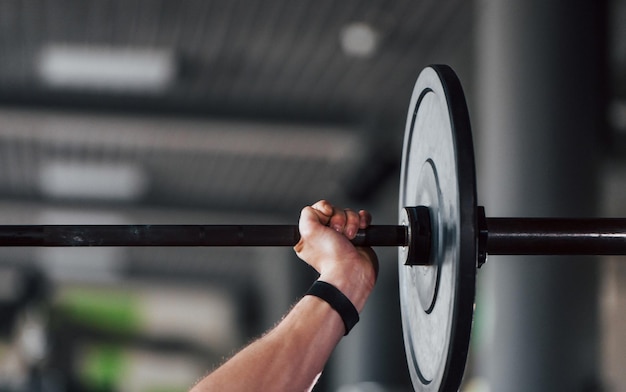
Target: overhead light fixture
110 68
305 141
359 39
92 181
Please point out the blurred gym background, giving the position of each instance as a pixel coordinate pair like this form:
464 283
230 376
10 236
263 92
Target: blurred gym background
243 111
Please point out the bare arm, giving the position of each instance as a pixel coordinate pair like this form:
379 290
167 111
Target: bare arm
292 355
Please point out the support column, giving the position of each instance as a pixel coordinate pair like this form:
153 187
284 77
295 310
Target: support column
540 105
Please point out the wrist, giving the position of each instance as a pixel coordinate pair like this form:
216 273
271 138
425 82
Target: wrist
338 301
354 285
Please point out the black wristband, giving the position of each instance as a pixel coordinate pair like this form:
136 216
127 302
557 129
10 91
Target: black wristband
338 301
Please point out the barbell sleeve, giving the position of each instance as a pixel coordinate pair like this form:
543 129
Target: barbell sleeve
553 236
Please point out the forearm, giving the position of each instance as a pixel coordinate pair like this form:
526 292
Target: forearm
288 358
293 354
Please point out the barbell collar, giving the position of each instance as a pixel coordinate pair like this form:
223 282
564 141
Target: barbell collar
418 244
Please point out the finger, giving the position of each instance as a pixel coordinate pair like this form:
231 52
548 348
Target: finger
309 217
324 211
365 219
353 222
338 220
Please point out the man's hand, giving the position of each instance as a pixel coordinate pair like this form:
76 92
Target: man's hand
325 244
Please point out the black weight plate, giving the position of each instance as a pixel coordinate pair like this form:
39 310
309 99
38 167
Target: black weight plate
438 171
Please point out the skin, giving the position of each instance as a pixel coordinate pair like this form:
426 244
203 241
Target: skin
291 356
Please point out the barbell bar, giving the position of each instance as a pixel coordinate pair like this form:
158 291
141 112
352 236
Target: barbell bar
181 235
498 236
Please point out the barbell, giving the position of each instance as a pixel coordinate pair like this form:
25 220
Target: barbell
443 236
497 236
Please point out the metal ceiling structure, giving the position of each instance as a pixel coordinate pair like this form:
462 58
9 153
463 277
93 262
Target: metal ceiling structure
291 67
287 66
